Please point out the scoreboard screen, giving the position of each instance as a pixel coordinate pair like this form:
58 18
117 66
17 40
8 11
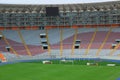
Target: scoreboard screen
52 11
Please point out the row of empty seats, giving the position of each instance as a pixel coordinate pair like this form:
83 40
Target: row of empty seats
33 41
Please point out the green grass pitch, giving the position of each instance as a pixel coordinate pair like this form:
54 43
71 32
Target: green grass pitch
38 71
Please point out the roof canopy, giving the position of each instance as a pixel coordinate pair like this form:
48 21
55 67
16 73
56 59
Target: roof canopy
19 8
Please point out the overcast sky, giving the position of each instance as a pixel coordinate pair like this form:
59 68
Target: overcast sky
50 1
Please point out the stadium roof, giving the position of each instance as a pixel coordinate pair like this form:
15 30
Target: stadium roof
37 8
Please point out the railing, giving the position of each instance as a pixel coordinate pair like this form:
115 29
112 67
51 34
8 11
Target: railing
102 45
26 47
91 41
61 43
49 48
13 50
75 37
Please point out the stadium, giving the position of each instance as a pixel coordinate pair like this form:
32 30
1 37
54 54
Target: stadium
60 41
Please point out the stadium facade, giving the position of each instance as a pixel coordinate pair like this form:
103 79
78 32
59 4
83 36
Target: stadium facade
80 15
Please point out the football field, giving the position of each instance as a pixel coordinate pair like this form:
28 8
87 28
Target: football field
38 71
